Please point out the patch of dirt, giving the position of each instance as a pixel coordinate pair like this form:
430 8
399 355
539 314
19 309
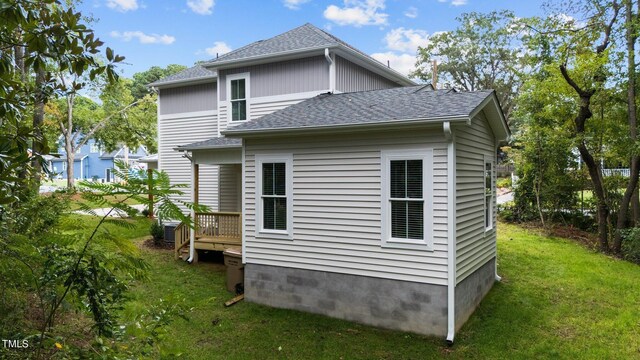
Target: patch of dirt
584 238
162 245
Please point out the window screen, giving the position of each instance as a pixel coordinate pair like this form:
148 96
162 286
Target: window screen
274 196
406 197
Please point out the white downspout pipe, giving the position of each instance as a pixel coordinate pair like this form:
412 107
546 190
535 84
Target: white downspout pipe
192 231
451 232
332 71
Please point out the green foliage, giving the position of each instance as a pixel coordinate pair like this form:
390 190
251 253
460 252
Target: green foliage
483 52
139 87
504 182
631 245
157 231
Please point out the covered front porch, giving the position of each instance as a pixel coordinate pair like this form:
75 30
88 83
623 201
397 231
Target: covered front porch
221 229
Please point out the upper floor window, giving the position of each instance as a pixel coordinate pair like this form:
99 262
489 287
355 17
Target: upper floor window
238 91
274 183
488 193
94 148
407 202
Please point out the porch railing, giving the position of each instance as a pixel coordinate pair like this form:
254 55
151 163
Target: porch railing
212 226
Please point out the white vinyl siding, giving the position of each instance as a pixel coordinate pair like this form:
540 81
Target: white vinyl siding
352 77
230 187
474 245
183 129
337 206
190 98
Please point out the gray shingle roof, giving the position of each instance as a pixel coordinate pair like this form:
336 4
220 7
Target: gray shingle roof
192 73
303 37
215 143
368 107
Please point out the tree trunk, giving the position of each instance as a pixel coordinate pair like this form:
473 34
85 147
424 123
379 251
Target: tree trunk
38 120
633 126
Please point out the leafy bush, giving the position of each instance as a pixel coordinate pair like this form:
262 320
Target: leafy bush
631 245
157 231
504 182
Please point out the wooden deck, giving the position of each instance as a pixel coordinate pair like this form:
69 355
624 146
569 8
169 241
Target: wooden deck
215 231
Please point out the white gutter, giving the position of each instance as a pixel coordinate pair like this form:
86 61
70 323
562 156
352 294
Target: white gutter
350 126
451 231
192 231
332 70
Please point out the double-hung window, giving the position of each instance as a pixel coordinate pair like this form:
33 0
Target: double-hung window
407 198
488 193
238 93
274 202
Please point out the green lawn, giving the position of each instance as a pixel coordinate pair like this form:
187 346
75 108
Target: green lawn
557 300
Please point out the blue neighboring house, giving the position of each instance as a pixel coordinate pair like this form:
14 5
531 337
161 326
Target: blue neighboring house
92 162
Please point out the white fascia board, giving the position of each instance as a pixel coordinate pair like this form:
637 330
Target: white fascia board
185 82
333 128
268 58
494 107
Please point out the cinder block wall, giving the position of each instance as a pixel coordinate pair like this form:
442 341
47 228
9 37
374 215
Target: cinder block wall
393 304
471 290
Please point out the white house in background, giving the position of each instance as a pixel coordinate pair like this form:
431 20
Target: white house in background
353 192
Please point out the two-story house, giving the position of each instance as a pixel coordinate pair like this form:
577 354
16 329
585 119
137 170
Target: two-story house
352 191
91 161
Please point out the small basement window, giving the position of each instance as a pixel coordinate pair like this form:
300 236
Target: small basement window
407 204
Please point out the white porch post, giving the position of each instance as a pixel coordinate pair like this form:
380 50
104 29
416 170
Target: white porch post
194 200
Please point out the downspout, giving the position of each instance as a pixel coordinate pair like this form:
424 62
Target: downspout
192 231
451 232
332 71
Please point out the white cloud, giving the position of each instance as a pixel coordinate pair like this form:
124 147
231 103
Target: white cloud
357 13
294 4
144 38
122 5
218 48
406 40
411 12
202 7
402 63
455 2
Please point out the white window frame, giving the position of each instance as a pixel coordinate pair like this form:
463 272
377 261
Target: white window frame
488 225
94 148
426 155
247 96
287 159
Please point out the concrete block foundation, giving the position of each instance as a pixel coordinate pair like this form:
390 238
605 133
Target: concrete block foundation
393 304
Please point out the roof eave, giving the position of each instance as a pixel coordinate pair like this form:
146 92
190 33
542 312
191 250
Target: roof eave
502 131
253 60
344 127
183 82
213 147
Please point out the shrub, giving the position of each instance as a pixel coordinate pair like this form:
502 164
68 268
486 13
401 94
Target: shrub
631 245
157 231
504 182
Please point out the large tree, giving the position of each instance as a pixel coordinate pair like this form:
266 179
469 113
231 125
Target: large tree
140 80
483 52
34 36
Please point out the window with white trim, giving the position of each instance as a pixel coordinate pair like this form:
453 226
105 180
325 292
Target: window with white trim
94 148
407 186
488 193
238 93
274 185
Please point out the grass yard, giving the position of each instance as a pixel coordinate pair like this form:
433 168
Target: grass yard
76 200
557 300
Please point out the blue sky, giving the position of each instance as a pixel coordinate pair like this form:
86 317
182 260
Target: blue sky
162 32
